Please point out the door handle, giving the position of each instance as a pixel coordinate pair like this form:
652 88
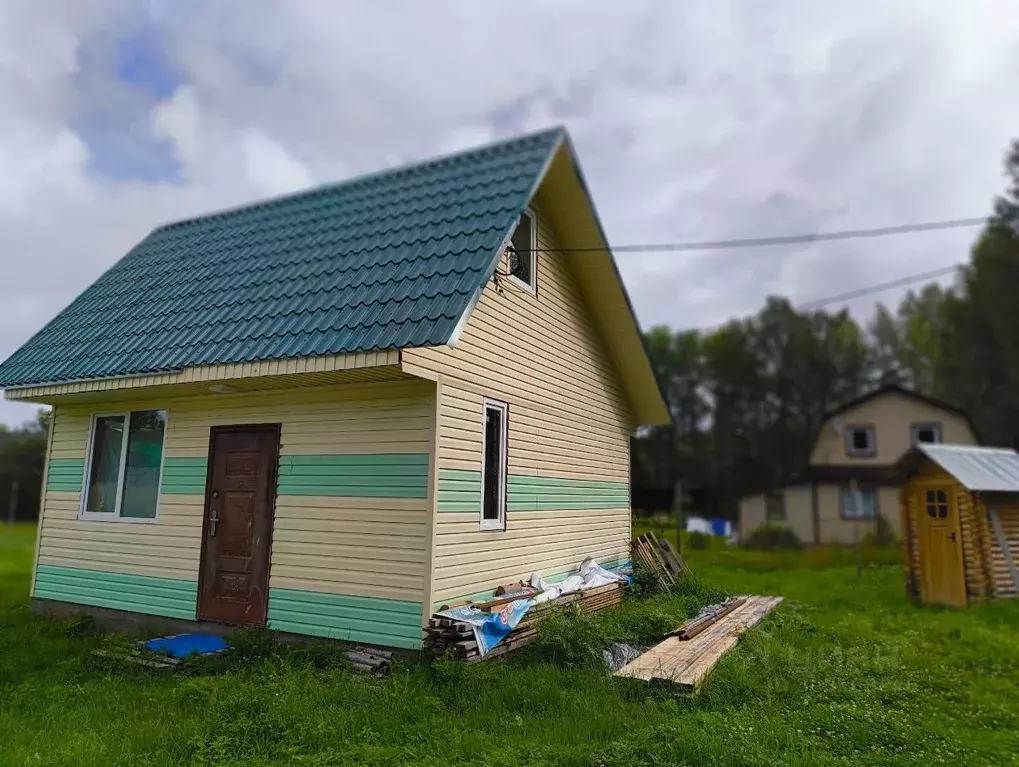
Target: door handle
953 537
213 519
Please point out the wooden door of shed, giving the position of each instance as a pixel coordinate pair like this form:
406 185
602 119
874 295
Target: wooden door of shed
239 502
941 563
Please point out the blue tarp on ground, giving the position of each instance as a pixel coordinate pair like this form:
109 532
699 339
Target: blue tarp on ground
182 645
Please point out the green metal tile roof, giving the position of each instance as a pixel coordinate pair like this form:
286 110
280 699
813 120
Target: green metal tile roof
385 261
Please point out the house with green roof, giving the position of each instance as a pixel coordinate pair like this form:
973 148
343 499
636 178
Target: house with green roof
328 413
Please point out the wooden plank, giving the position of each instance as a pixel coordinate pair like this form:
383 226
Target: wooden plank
1006 551
688 662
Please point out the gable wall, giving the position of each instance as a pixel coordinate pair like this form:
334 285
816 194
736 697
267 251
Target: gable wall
349 544
891 414
567 440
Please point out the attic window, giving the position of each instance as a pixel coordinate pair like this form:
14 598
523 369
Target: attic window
523 252
929 433
860 442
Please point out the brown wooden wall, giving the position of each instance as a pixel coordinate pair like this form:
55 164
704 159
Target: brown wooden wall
973 548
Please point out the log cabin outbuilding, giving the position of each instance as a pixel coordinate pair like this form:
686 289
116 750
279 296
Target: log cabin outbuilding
959 516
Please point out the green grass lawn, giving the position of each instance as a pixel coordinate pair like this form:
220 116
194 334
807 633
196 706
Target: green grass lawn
844 673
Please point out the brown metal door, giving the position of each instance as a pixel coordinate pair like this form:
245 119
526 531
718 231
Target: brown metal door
239 501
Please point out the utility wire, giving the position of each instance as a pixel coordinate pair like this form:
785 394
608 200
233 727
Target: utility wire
789 239
877 288
859 292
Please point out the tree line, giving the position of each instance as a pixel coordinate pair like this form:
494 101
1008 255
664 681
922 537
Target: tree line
746 399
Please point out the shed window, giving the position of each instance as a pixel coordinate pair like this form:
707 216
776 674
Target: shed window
125 460
937 504
925 432
860 503
523 252
774 507
860 441
493 469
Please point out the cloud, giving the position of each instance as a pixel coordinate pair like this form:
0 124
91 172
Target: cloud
693 121
270 168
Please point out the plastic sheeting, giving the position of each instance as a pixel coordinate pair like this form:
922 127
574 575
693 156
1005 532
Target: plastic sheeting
491 628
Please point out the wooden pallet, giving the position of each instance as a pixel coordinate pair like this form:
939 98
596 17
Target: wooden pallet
647 551
687 662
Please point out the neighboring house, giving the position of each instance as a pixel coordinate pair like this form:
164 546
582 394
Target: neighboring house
330 412
960 523
859 443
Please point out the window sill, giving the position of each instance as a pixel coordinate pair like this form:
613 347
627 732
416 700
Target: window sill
532 289
93 516
493 527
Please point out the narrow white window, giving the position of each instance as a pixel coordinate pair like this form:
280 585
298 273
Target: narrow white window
493 467
125 463
523 252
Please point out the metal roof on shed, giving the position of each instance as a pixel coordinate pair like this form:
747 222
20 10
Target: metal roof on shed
385 261
985 469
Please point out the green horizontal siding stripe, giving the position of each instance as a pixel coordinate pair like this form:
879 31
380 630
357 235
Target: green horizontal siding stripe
460 490
167 597
529 493
481 596
390 622
64 475
184 476
385 475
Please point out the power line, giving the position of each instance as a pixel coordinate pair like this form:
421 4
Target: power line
877 288
820 303
789 239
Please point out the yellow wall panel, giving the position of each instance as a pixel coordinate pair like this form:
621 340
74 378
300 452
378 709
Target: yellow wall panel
372 547
568 421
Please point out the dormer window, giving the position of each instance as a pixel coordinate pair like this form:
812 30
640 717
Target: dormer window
523 256
861 442
929 433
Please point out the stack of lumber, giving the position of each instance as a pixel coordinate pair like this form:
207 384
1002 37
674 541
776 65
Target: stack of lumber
660 559
456 638
708 615
686 662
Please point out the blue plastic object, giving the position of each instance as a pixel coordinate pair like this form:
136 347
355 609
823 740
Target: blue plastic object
182 645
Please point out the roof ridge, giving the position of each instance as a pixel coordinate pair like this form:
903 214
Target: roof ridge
360 178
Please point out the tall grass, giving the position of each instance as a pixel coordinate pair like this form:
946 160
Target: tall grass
845 673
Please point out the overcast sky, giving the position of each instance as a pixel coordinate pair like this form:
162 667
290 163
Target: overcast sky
693 121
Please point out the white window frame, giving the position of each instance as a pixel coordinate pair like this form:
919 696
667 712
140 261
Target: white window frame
100 516
916 428
870 452
531 288
499 523
857 495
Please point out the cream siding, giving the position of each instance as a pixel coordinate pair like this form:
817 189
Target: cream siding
835 529
832 528
358 546
798 512
891 414
567 439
